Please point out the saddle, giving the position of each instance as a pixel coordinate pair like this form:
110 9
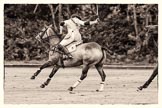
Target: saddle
73 46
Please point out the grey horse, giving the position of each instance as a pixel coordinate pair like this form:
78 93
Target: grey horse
86 54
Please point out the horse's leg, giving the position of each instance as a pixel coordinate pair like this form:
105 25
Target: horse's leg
45 65
100 70
54 70
83 76
147 83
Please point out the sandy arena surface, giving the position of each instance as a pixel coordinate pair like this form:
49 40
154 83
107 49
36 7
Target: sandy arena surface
120 87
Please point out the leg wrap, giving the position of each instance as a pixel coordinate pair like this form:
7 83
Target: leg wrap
76 83
101 86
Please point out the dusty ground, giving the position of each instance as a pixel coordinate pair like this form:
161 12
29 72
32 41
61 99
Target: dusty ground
120 87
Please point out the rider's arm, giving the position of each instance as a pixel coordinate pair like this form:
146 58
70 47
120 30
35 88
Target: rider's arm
84 23
79 21
61 26
61 29
91 22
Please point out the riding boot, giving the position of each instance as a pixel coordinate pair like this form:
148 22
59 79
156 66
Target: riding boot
65 50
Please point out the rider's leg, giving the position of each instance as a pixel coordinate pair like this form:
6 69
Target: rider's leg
65 50
66 41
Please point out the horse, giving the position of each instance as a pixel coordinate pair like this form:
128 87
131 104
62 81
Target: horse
86 54
155 71
147 83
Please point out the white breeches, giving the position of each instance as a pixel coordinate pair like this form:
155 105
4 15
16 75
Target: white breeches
71 37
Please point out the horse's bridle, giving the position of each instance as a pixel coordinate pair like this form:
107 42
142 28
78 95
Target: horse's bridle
48 37
43 32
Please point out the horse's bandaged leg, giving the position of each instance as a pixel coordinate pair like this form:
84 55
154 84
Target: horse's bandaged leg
76 83
101 86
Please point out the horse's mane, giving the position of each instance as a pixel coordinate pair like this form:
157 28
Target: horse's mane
55 31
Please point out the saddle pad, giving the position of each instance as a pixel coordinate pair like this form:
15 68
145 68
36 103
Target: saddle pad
73 46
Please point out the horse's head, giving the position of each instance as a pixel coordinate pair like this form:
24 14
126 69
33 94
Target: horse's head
48 33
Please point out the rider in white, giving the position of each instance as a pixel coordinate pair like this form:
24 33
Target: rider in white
73 35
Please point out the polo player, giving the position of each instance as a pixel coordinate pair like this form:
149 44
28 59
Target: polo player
73 25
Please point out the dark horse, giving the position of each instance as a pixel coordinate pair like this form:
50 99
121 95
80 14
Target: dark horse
155 71
87 54
147 83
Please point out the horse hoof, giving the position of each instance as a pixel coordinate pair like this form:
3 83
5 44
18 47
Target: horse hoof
33 77
99 90
46 83
140 88
71 92
42 86
70 88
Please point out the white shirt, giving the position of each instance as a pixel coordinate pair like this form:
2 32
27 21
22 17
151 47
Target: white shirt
73 24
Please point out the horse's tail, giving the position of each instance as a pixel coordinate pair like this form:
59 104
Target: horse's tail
104 50
103 56
107 50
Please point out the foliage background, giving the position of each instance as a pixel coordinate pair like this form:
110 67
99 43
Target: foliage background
129 31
